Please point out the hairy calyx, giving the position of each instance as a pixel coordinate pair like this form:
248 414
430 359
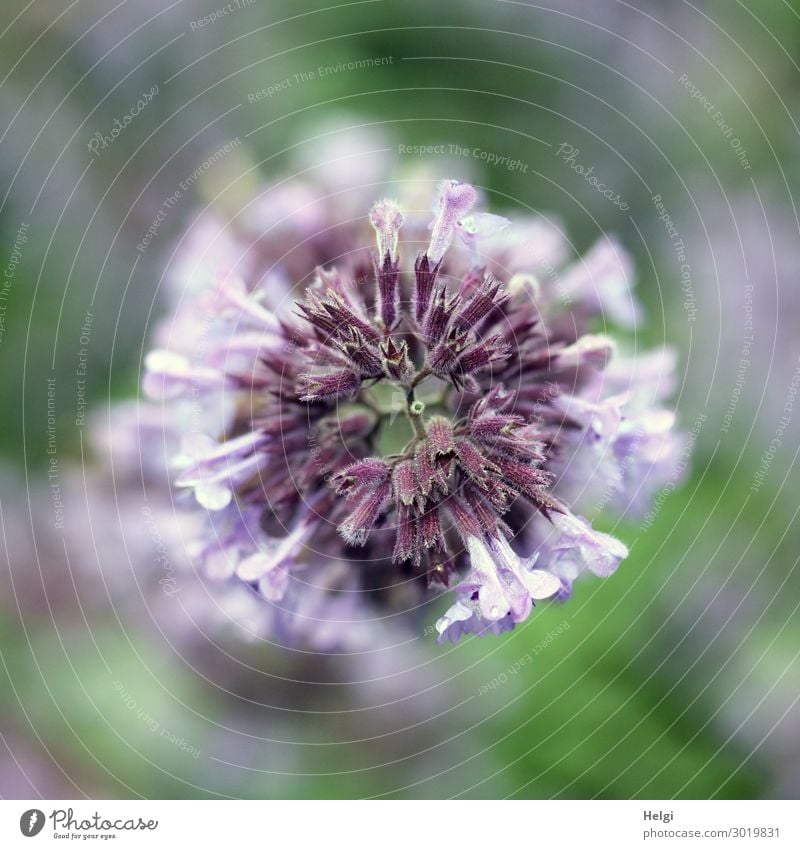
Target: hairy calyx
459 474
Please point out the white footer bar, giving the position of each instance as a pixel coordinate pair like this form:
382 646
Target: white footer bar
386 824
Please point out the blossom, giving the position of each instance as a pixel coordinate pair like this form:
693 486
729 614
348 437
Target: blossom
397 427
625 432
578 548
498 592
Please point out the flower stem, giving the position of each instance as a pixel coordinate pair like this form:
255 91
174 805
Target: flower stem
414 410
420 376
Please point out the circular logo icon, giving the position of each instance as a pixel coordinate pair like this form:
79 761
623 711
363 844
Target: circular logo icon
31 822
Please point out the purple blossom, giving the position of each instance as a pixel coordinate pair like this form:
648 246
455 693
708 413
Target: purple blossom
500 588
630 439
308 518
576 548
455 201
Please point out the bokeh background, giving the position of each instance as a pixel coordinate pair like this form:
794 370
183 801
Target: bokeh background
679 676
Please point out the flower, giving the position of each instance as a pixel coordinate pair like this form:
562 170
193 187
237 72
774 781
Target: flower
334 510
498 592
578 547
626 432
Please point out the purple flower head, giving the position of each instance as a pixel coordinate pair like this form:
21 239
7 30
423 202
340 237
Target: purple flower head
399 426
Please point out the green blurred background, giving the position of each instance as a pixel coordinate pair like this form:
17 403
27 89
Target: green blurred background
679 676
